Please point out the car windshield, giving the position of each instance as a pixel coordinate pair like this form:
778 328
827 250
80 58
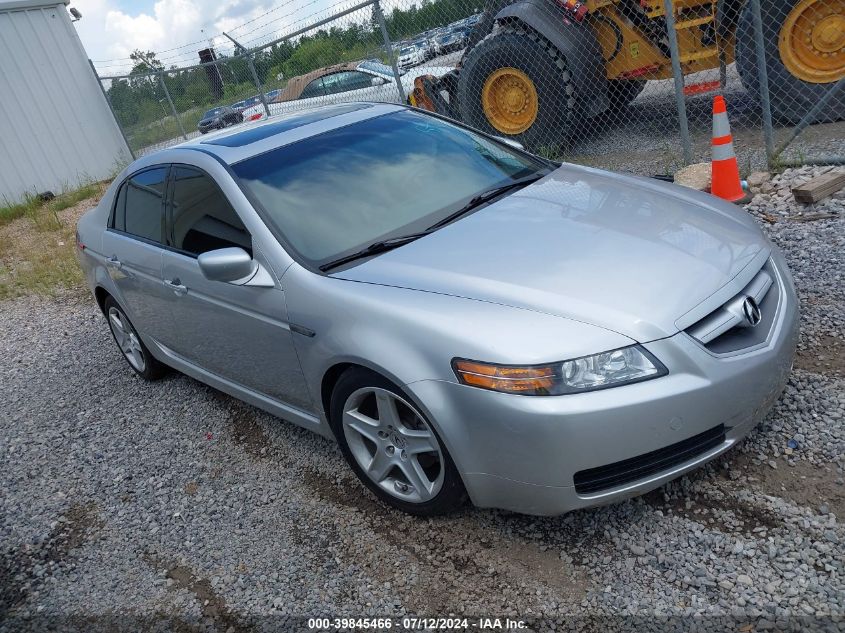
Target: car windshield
407 51
338 192
212 113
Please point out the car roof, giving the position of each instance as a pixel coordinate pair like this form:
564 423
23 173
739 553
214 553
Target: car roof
238 143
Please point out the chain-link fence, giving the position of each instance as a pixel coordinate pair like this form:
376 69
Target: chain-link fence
620 84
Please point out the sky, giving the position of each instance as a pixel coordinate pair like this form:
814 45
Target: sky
111 29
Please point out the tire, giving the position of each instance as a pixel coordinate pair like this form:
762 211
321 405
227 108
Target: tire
130 344
791 96
367 395
542 63
621 92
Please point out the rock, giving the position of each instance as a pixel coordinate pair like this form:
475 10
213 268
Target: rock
744 580
695 176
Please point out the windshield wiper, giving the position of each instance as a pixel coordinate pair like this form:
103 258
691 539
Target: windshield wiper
485 196
394 242
374 249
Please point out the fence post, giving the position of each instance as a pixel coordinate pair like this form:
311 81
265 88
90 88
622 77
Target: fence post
172 106
111 109
261 95
763 81
389 48
680 101
810 116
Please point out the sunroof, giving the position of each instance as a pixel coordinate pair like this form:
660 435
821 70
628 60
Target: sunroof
283 124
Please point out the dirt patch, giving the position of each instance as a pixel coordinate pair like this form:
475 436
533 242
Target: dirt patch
826 357
708 512
24 569
246 431
213 606
349 495
805 484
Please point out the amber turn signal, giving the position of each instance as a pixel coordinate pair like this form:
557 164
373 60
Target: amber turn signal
523 380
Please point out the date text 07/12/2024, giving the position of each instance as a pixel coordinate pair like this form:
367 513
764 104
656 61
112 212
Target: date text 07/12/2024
415 624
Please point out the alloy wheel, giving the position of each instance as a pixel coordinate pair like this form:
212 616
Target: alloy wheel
393 444
127 339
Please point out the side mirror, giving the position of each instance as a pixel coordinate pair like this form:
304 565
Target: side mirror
378 81
232 265
511 142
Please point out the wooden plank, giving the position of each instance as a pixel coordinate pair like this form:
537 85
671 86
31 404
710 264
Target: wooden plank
819 187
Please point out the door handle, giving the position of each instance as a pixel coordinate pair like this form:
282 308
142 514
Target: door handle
176 286
113 262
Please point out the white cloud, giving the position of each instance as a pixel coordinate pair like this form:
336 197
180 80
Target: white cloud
110 34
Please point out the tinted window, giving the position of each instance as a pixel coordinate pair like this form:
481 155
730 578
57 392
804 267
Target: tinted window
138 208
346 81
313 89
201 217
346 188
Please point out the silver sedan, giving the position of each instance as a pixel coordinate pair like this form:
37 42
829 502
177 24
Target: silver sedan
465 319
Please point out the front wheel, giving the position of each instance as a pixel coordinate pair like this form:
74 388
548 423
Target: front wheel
516 84
805 56
391 447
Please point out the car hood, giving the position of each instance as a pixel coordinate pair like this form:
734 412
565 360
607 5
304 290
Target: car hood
210 120
629 254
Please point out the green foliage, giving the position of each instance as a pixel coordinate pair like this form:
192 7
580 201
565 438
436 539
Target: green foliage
41 212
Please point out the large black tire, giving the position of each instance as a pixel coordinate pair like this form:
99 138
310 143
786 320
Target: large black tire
545 66
452 493
621 92
791 97
146 366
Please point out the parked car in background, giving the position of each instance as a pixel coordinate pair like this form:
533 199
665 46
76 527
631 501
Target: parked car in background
463 318
273 94
218 118
411 55
452 40
369 80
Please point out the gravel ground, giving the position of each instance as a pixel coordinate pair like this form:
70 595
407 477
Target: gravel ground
169 506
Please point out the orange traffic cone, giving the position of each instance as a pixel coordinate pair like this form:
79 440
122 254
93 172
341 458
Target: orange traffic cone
726 183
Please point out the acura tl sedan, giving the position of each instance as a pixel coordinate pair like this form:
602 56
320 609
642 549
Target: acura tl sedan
463 318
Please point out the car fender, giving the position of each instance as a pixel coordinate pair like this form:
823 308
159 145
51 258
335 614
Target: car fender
410 335
576 41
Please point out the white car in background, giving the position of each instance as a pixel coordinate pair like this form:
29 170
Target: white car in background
369 80
411 55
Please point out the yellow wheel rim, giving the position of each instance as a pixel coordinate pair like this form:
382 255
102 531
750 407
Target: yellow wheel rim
509 99
812 41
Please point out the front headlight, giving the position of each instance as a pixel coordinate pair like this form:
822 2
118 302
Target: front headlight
588 373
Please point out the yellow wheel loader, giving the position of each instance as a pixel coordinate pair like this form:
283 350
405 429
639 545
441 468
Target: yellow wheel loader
534 67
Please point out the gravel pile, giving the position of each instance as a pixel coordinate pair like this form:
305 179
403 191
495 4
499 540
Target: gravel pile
169 506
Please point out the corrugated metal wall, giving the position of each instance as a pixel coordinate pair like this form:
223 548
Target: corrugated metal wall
56 129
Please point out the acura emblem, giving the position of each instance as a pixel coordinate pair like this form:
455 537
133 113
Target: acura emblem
751 311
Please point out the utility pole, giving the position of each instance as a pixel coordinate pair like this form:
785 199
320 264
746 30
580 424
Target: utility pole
249 62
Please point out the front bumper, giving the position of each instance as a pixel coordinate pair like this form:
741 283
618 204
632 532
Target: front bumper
521 453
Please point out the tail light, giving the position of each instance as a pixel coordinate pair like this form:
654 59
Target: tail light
256 116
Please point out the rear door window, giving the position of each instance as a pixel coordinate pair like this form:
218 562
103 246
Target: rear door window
201 218
139 206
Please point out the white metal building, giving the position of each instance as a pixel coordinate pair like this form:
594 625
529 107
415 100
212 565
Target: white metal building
56 128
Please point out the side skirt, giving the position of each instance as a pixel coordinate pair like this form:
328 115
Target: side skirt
274 407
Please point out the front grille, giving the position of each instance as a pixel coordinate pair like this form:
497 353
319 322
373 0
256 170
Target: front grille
612 475
725 330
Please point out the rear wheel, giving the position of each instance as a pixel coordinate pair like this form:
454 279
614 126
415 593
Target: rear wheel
391 447
516 84
130 344
805 55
